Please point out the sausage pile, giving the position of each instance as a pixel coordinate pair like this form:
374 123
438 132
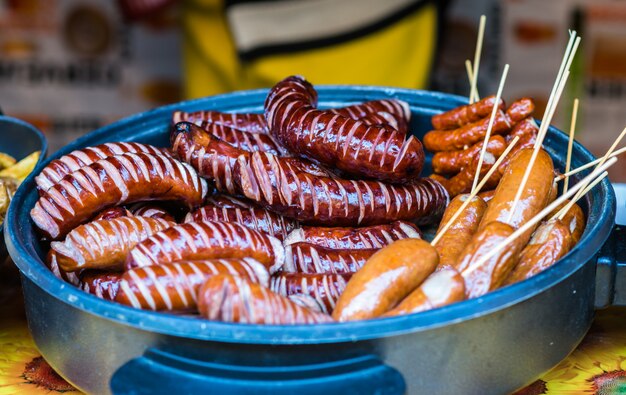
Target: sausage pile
459 135
257 218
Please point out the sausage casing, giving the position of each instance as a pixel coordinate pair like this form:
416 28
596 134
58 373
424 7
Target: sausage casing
376 236
469 113
112 213
104 285
234 299
574 219
150 210
53 265
104 244
550 242
244 140
385 279
393 112
113 181
459 234
441 288
251 123
336 141
451 162
309 258
254 218
520 109
207 240
324 288
174 286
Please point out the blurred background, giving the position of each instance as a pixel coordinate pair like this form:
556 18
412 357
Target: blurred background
70 66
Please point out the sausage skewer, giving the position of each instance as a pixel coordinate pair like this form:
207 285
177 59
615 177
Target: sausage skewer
570 144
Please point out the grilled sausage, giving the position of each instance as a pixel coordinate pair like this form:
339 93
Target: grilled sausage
467 135
113 181
459 234
227 201
376 236
100 283
309 258
207 240
150 210
234 299
377 152
324 288
251 123
440 289
486 196
387 278
244 140
104 244
59 168
112 213
535 196
254 218
53 265
392 112
174 286
550 242
520 109
306 301
452 162
463 115
574 219
493 272
527 131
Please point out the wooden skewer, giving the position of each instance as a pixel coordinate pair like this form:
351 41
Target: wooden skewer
533 221
570 144
470 78
561 214
475 192
587 165
479 48
494 111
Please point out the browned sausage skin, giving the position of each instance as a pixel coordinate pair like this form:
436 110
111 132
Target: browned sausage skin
234 299
104 244
550 242
574 219
520 109
336 141
244 140
459 234
451 162
251 123
463 115
309 258
387 278
174 286
324 288
376 236
207 240
114 181
104 285
440 289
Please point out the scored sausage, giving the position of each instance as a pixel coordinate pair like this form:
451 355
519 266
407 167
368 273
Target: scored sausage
535 195
227 201
550 242
324 288
150 210
234 299
385 279
492 273
251 123
104 244
440 289
254 218
376 236
114 181
467 135
451 162
112 213
207 240
101 284
468 113
243 140
59 168
459 234
174 286
309 258
52 264
336 141
392 112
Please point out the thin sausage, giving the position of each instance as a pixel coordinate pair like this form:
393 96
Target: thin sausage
234 299
387 278
114 181
376 236
459 234
550 242
251 123
451 162
101 284
440 289
336 141
174 286
254 218
463 115
104 244
324 288
309 258
207 240
520 109
487 195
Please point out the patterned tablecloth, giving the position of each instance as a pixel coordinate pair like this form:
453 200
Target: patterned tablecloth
597 366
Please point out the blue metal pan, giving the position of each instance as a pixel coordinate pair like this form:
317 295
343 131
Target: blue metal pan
493 344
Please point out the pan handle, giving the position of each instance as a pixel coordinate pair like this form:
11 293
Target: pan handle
160 372
611 270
